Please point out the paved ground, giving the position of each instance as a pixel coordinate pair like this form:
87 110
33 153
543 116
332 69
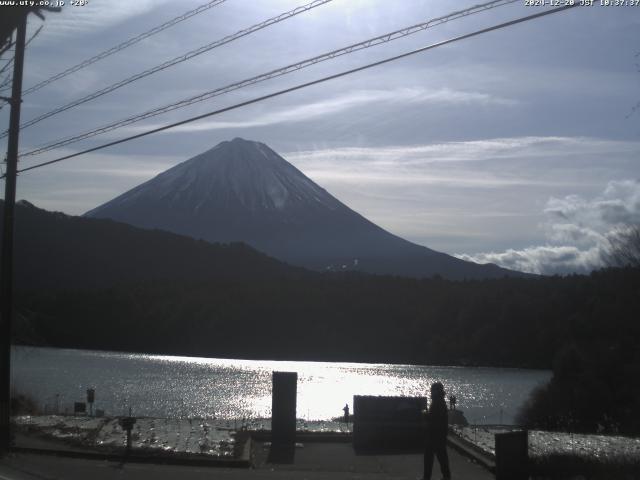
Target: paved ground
314 461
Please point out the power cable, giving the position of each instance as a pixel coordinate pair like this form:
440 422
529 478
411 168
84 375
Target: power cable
6 47
304 85
6 65
10 61
177 60
123 45
35 34
388 37
6 81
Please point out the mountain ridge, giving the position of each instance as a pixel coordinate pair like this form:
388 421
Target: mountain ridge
244 191
59 251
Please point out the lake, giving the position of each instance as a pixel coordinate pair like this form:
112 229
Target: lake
178 387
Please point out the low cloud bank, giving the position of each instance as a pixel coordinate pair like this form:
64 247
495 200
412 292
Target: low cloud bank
578 230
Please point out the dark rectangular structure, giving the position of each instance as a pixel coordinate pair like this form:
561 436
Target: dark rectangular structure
283 408
388 424
512 455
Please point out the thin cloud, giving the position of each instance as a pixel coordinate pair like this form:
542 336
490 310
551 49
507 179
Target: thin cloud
474 150
100 165
93 16
342 103
454 163
374 175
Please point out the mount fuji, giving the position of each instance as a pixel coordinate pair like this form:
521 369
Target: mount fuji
242 190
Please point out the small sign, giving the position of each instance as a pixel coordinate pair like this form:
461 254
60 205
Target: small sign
127 423
79 407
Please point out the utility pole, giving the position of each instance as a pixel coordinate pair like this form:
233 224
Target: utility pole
6 279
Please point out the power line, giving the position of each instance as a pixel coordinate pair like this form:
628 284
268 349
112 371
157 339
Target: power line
6 65
10 61
123 45
7 46
7 80
177 60
388 37
35 34
304 85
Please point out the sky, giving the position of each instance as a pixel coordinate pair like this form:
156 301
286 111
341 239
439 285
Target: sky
519 147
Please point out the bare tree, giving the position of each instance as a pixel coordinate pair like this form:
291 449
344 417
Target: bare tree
624 247
636 108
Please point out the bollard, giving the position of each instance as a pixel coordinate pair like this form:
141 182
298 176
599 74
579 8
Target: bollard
283 417
283 408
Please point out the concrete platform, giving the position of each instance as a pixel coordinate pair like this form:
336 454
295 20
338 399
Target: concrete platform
312 461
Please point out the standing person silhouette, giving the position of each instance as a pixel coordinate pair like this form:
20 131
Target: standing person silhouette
437 427
346 414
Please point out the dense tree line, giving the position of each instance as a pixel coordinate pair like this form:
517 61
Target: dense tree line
351 316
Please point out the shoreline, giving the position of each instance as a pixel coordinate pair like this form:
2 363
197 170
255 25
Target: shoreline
462 364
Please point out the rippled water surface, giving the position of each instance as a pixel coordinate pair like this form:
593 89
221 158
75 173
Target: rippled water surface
169 386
